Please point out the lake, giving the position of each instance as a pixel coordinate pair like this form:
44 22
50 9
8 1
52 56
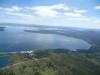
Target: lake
13 38
4 60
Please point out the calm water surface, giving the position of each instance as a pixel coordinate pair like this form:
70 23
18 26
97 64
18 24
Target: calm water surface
14 38
4 60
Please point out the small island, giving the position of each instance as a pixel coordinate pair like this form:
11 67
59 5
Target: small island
2 28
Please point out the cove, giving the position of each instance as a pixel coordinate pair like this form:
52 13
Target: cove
14 38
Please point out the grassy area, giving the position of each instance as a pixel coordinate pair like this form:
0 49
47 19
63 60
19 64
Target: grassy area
54 62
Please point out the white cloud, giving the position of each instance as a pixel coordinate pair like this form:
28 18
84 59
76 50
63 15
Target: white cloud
58 14
60 6
97 7
80 19
11 9
49 11
97 21
45 11
72 14
80 11
52 11
15 10
19 14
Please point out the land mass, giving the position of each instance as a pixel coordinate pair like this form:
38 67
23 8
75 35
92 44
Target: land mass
57 61
53 62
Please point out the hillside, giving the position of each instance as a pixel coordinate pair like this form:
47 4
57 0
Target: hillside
53 62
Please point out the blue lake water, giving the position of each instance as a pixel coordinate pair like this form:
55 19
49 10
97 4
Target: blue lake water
14 38
4 60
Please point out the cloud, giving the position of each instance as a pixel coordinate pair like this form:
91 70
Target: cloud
19 14
45 11
97 7
56 11
49 11
72 14
58 14
80 19
60 6
80 11
76 13
14 10
97 21
11 9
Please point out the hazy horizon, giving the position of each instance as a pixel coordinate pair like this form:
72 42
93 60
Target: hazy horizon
66 13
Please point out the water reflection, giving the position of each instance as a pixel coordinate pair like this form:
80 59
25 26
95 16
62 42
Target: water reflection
14 38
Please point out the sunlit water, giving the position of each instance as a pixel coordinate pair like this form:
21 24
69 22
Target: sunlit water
14 38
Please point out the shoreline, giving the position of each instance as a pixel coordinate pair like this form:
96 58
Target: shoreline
22 52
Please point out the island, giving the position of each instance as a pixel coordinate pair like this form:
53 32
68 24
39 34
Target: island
2 28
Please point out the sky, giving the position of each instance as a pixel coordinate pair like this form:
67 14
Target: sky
69 13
